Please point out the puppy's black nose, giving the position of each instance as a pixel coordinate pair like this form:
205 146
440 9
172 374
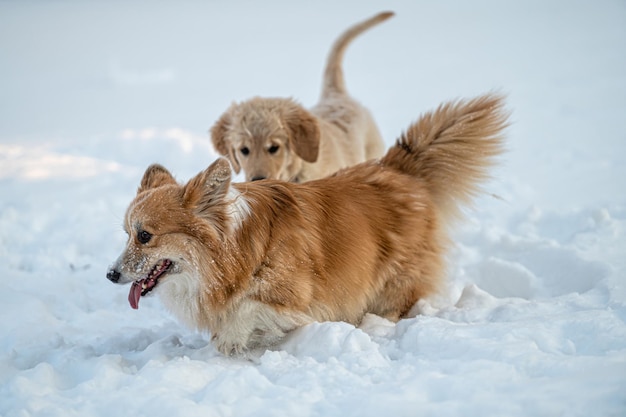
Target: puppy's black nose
258 178
113 275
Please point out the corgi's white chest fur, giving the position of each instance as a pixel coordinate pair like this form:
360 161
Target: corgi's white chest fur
181 296
245 324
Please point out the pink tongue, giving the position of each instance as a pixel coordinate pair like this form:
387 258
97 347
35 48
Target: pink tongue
134 295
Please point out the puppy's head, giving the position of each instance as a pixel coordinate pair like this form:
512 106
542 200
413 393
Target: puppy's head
169 225
267 138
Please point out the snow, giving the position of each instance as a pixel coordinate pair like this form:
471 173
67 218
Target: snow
533 320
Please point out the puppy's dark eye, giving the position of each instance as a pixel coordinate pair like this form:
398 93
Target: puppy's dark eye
244 151
143 237
273 149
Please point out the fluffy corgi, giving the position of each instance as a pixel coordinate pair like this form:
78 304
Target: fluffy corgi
249 262
277 138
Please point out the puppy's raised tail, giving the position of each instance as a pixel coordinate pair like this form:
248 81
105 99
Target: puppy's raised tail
333 75
451 149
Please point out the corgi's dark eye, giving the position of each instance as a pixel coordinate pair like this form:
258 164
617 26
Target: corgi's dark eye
273 149
143 237
244 151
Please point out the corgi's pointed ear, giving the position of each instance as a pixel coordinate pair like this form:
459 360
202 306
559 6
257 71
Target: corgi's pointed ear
208 188
155 176
219 138
304 134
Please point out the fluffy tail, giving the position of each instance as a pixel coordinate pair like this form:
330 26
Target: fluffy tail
333 76
451 149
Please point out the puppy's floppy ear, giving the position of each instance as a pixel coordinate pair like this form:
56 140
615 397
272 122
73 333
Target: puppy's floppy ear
155 176
304 133
221 144
208 188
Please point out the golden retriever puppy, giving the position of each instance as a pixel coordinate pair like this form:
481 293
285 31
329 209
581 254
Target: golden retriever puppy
250 262
277 138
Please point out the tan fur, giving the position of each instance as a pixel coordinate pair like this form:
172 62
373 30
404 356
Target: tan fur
369 239
277 138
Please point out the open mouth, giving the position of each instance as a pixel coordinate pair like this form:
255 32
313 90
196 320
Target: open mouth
143 286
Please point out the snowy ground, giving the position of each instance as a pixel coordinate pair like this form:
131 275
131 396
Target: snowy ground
533 322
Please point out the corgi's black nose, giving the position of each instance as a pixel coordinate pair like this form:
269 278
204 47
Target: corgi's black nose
113 275
258 178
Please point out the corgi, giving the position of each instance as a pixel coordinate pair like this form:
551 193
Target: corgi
250 262
277 138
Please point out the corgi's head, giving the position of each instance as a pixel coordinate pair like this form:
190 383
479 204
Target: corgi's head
170 226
